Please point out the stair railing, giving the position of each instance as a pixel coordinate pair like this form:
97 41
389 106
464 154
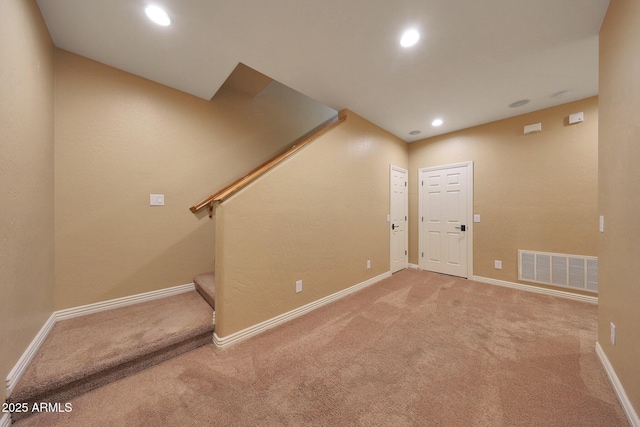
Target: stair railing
235 186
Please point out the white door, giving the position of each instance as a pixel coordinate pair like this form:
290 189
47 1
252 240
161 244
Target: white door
445 214
398 219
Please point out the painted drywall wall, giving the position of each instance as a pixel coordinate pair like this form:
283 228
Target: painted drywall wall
26 179
619 193
535 192
318 217
120 138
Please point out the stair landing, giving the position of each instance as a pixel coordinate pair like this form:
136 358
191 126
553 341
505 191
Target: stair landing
84 353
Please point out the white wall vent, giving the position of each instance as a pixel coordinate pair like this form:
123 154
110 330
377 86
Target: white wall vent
536 127
568 271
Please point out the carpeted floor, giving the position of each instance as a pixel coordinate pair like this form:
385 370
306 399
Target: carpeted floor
417 349
86 352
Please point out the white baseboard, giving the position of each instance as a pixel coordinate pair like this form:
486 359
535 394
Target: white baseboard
632 415
18 370
536 289
16 373
5 421
414 266
251 331
83 310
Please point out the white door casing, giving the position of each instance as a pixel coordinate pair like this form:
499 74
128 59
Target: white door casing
398 218
445 218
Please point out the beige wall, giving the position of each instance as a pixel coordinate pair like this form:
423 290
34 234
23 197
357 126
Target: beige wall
120 138
317 218
26 179
619 192
536 192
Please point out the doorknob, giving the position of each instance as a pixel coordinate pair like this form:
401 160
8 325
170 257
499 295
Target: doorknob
393 226
461 228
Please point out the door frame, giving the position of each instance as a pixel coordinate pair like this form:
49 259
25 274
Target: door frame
406 209
470 210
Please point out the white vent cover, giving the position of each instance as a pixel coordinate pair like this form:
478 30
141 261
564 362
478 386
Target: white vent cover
569 271
536 127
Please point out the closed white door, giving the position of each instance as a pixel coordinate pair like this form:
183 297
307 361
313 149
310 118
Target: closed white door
445 211
398 219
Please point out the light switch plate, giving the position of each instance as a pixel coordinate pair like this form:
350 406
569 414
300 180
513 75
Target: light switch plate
476 218
156 199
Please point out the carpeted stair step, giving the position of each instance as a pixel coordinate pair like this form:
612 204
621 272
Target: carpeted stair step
84 353
206 285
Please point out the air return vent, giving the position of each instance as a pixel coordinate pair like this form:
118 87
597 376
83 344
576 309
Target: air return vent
568 271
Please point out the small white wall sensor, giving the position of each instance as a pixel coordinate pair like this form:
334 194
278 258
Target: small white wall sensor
576 118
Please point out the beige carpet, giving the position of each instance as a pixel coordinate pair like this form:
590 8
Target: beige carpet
206 286
84 353
417 349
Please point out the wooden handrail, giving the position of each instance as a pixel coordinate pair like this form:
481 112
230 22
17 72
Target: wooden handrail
242 182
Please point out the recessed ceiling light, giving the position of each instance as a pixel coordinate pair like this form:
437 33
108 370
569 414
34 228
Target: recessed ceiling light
437 122
158 15
519 103
414 132
561 94
409 38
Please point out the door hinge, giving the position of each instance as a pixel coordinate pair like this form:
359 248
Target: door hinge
422 219
422 254
405 252
405 183
405 217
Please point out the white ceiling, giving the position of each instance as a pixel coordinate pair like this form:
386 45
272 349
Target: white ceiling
475 57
